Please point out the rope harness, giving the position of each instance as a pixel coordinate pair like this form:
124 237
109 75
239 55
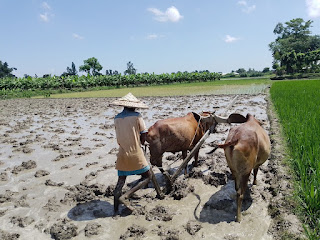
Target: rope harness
195 131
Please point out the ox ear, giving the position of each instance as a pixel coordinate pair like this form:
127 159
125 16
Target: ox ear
196 116
236 118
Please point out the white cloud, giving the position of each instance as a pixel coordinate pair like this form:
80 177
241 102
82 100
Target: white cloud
243 3
46 6
154 36
230 39
44 17
172 14
77 36
313 8
246 7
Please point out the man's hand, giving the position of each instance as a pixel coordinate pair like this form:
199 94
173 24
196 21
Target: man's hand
143 138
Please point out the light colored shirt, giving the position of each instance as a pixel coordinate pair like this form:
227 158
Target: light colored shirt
129 125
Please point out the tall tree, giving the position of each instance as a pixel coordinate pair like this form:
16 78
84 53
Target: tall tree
293 37
130 69
70 71
91 66
5 71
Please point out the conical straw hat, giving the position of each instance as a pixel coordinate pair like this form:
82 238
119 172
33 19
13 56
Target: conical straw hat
129 101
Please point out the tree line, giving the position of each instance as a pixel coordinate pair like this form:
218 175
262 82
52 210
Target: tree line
91 67
251 72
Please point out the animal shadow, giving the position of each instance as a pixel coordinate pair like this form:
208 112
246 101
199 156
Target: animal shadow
91 210
222 206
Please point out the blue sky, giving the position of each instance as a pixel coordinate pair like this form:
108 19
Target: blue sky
45 37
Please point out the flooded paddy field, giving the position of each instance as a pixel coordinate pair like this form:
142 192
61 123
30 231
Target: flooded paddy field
57 175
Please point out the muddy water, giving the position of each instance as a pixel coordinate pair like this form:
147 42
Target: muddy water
71 146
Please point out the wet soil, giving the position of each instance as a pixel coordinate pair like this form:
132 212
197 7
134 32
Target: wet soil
57 176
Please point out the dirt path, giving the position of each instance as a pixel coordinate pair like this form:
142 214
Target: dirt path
57 176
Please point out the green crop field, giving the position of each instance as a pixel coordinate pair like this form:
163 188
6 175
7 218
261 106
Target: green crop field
118 85
297 103
252 86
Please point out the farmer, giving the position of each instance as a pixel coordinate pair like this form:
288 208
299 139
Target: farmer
131 132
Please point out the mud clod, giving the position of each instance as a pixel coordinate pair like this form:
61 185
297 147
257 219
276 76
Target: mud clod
6 197
193 227
134 231
41 173
3 176
8 236
167 234
52 205
63 230
82 193
215 179
22 221
109 191
24 166
92 229
180 189
160 213
49 182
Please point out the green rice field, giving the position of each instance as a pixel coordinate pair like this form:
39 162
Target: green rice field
248 86
298 107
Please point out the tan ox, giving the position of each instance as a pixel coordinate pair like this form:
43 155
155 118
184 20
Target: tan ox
246 147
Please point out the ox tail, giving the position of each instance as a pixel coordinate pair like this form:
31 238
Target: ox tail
227 144
215 147
224 146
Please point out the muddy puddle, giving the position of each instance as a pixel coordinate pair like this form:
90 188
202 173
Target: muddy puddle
57 175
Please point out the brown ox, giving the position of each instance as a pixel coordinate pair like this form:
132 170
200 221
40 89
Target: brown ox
246 147
182 134
174 135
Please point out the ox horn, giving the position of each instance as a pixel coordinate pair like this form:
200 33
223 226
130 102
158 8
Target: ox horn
233 118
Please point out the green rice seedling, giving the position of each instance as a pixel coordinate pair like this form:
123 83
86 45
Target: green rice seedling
297 103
